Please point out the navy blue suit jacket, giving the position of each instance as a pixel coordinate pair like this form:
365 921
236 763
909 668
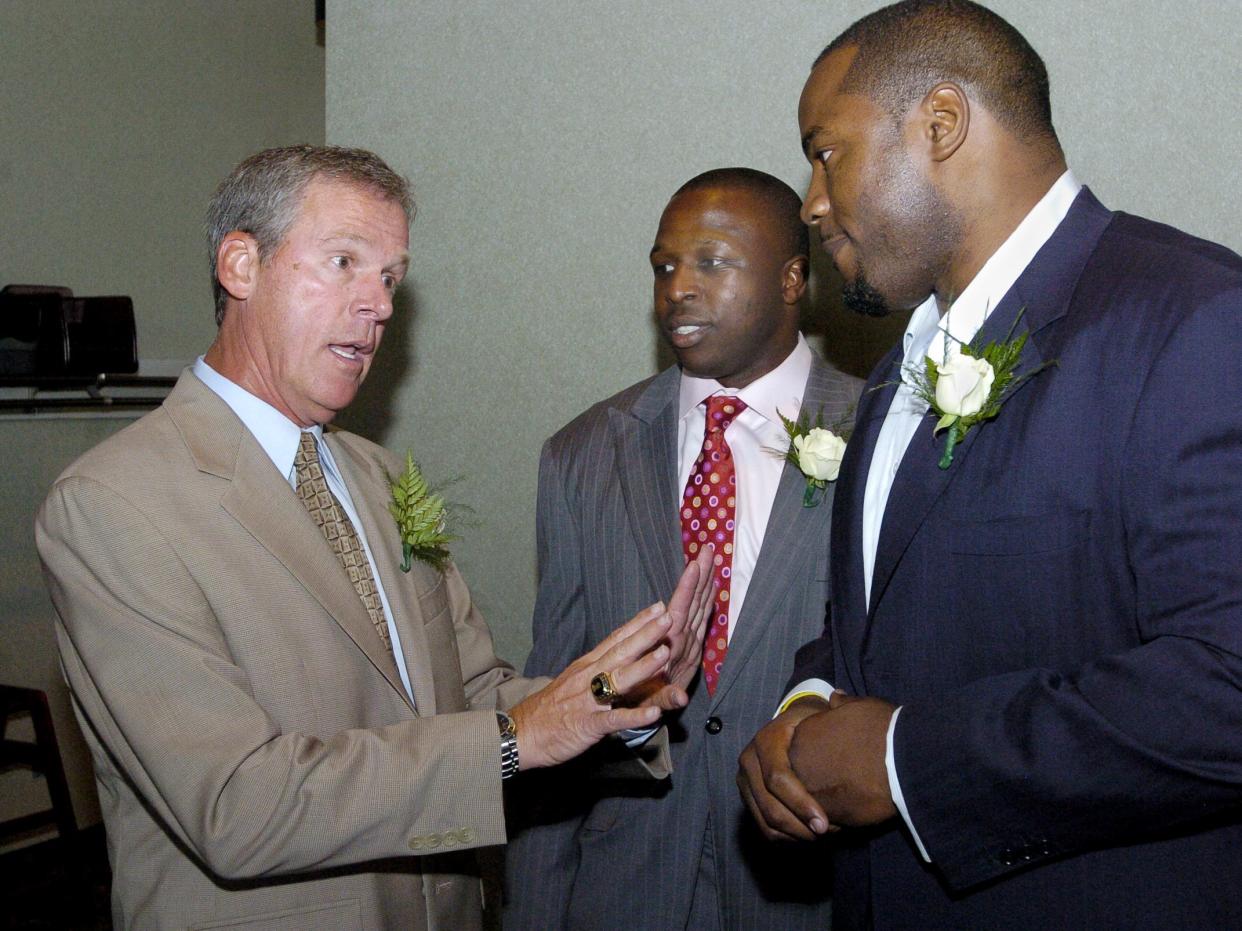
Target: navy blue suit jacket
1060 612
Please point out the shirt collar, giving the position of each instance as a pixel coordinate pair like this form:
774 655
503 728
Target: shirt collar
782 386
277 434
993 281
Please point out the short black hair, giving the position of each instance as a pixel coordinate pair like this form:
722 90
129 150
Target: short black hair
783 203
906 49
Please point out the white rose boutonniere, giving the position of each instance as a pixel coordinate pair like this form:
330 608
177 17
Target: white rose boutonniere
816 451
963 384
819 454
970 385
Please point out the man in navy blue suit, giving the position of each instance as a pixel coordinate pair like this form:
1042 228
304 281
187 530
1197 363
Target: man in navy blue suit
1026 706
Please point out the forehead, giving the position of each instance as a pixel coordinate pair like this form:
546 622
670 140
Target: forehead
822 104
330 207
732 214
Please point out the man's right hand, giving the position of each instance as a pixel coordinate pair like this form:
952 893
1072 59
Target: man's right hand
776 797
563 719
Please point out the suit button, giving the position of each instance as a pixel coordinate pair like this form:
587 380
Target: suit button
714 725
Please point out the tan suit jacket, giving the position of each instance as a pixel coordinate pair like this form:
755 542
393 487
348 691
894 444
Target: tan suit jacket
258 762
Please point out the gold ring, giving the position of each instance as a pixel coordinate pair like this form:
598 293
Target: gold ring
603 688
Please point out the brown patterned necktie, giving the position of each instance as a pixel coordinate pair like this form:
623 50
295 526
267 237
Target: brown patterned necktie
331 518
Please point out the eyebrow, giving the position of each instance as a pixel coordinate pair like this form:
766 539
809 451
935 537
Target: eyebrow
402 260
806 139
698 242
348 237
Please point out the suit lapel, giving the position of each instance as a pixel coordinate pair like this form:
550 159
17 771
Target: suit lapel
261 501
849 593
1039 297
790 540
645 440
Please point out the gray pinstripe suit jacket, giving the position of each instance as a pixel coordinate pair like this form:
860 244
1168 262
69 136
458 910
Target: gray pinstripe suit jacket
590 854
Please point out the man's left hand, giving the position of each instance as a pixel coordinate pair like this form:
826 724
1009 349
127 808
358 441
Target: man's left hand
838 754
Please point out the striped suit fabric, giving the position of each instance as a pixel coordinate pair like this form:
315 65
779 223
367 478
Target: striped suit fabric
591 853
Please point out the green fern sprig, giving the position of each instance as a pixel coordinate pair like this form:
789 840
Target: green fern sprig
422 518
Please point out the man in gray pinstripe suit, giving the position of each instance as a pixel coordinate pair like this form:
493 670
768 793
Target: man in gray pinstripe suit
730 267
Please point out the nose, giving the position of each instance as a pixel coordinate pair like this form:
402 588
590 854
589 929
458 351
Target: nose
682 285
816 205
374 300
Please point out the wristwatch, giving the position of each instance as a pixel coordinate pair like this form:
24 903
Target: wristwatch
508 745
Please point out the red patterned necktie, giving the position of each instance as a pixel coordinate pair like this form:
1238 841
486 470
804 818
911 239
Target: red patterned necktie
708 509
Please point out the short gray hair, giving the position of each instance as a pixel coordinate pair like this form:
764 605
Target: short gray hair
263 194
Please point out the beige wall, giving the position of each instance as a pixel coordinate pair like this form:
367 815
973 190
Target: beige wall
543 139
119 120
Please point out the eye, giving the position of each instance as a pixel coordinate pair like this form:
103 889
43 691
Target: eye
342 262
822 157
713 261
390 282
661 268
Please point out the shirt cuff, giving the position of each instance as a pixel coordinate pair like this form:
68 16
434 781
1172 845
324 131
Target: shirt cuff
894 786
635 737
807 688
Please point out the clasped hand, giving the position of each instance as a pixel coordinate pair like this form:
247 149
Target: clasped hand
651 658
819 767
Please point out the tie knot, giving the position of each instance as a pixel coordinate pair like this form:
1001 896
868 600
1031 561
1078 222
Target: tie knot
307 451
721 411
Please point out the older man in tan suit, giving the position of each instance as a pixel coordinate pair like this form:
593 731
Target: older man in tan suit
288 731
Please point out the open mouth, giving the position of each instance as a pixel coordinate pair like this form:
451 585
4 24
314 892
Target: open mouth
684 335
350 352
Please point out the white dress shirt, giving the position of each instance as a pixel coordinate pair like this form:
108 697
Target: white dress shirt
926 336
758 442
279 436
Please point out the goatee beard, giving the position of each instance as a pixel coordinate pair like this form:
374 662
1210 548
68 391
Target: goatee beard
860 297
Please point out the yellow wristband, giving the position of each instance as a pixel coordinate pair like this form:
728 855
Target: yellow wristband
798 696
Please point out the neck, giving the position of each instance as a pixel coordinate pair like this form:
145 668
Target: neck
992 206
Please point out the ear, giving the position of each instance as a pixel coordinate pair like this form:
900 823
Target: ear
946 119
793 279
237 264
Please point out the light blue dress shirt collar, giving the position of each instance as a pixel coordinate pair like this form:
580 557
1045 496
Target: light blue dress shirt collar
277 434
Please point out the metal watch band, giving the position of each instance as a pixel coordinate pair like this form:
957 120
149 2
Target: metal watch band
508 745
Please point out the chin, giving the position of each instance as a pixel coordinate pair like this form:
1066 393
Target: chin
860 297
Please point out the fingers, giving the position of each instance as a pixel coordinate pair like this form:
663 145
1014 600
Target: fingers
692 609
621 719
634 625
705 593
776 797
629 672
775 821
681 603
668 698
839 698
